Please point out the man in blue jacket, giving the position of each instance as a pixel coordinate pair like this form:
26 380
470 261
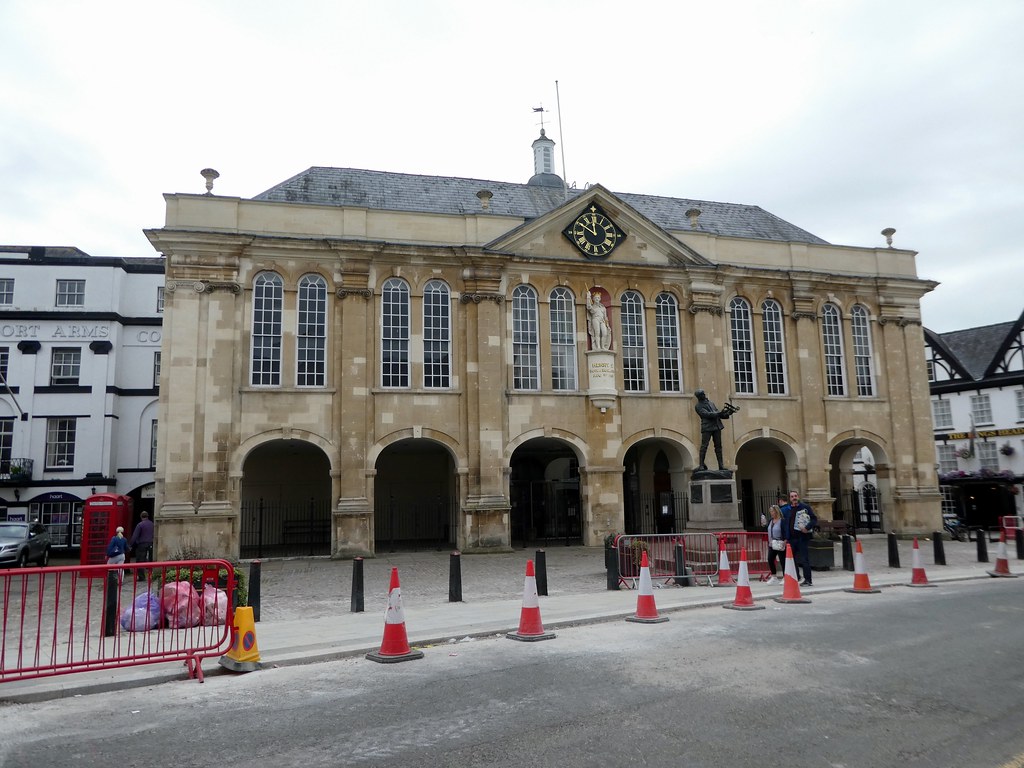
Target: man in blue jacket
800 520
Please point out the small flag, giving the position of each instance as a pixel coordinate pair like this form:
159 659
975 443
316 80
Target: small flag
538 109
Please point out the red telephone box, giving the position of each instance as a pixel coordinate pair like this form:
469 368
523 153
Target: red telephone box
101 515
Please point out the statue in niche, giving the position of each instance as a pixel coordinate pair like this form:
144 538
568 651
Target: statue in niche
597 322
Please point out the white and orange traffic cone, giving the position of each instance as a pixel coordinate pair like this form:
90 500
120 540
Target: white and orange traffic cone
1002 563
724 570
530 626
918 577
790 583
395 645
646 610
861 582
744 600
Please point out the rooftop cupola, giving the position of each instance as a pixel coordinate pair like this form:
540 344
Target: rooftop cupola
544 163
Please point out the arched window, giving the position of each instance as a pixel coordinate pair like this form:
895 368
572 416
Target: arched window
774 348
562 309
861 333
634 362
267 307
742 345
311 334
832 341
437 335
666 321
525 339
394 333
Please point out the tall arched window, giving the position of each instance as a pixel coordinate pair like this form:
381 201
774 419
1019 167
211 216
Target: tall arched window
311 334
634 362
832 342
774 348
666 321
742 345
267 304
861 333
437 335
525 339
394 335
562 309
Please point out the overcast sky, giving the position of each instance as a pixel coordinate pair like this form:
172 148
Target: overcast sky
841 117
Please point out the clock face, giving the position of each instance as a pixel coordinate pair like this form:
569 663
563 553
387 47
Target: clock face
594 233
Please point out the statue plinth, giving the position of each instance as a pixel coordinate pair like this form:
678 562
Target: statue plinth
713 502
601 372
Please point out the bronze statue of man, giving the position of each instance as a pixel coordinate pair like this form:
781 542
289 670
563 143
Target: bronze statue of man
711 426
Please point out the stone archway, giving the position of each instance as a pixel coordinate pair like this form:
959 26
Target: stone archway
765 470
544 492
859 484
654 487
415 496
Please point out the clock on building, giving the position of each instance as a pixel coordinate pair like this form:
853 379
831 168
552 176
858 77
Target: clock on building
593 233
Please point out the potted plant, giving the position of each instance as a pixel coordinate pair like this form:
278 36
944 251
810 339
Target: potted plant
1006 449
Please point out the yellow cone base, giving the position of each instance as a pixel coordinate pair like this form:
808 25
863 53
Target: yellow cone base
244 655
382 658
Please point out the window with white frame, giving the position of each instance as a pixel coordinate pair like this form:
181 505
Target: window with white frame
949 505
70 293
152 443
267 309
60 443
6 291
947 458
942 414
65 366
437 335
156 369
634 351
562 312
742 336
832 341
774 347
311 333
988 455
5 357
930 368
525 339
395 333
1020 403
6 444
160 298
860 330
666 322
981 409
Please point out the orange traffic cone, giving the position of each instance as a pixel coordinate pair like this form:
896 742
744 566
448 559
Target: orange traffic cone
530 626
724 571
395 646
646 610
918 577
861 582
744 599
790 583
1002 563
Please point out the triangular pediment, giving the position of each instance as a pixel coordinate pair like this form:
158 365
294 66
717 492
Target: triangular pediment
942 364
641 241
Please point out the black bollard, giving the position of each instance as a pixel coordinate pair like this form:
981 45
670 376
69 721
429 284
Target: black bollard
982 546
254 589
1019 535
541 564
894 551
682 579
110 591
455 577
938 548
613 569
847 552
357 585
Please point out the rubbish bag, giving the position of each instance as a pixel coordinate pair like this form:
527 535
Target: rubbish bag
143 614
215 605
180 604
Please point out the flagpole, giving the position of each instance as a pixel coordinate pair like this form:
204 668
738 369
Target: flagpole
561 140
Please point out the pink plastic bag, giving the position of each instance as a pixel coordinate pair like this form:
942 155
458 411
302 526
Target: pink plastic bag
215 605
180 604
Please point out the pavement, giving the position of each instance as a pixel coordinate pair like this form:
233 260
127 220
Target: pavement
306 617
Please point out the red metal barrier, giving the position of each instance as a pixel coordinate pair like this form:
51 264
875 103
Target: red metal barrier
701 552
756 545
58 621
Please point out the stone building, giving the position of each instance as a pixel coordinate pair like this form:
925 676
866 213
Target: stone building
358 360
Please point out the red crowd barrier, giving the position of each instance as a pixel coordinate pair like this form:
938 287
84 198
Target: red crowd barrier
701 552
58 621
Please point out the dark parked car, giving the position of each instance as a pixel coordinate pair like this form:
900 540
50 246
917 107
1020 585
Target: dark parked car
22 542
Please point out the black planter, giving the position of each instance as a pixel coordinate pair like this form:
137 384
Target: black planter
822 552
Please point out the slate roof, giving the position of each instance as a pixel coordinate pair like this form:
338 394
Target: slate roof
382 190
974 348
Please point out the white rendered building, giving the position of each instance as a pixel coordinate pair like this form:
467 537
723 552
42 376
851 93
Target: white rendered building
80 360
